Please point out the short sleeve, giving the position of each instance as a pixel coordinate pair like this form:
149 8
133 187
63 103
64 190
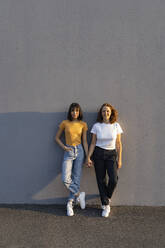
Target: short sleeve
119 129
85 127
93 130
62 125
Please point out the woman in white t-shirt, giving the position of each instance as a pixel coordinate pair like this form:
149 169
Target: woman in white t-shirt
106 153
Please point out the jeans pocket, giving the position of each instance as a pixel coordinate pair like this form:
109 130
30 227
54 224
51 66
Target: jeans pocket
71 153
68 154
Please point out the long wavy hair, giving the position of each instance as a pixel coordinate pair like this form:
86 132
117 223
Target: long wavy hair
113 117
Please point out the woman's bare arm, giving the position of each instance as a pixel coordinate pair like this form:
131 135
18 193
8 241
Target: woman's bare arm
59 142
91 150
119 150
85 144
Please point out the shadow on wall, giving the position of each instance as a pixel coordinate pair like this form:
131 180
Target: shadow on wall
31 160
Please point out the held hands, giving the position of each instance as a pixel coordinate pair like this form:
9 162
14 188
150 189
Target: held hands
89 162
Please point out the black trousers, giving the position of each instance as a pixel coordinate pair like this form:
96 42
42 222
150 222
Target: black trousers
105 164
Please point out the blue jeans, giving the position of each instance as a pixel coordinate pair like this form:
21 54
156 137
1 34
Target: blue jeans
71 169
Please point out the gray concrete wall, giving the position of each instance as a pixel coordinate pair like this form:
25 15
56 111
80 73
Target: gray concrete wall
55 52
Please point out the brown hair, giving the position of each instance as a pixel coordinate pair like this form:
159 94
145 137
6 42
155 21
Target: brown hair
114 113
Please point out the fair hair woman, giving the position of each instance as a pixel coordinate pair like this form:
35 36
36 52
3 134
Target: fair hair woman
105 152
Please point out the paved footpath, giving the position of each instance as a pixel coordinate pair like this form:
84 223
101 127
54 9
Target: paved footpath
33 226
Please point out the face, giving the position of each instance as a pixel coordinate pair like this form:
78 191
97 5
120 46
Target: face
75 113
106 113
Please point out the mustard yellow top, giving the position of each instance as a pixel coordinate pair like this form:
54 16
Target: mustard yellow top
73 131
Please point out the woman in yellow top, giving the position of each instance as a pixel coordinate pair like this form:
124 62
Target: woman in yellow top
75 134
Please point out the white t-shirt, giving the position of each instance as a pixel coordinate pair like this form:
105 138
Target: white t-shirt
106 134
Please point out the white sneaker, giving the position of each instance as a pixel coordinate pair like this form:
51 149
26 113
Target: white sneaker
103 206
81 200
106 210
69 208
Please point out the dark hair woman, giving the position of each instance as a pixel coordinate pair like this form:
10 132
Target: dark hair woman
75 134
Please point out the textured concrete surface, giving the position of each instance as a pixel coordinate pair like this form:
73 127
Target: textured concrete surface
32 226
55 52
